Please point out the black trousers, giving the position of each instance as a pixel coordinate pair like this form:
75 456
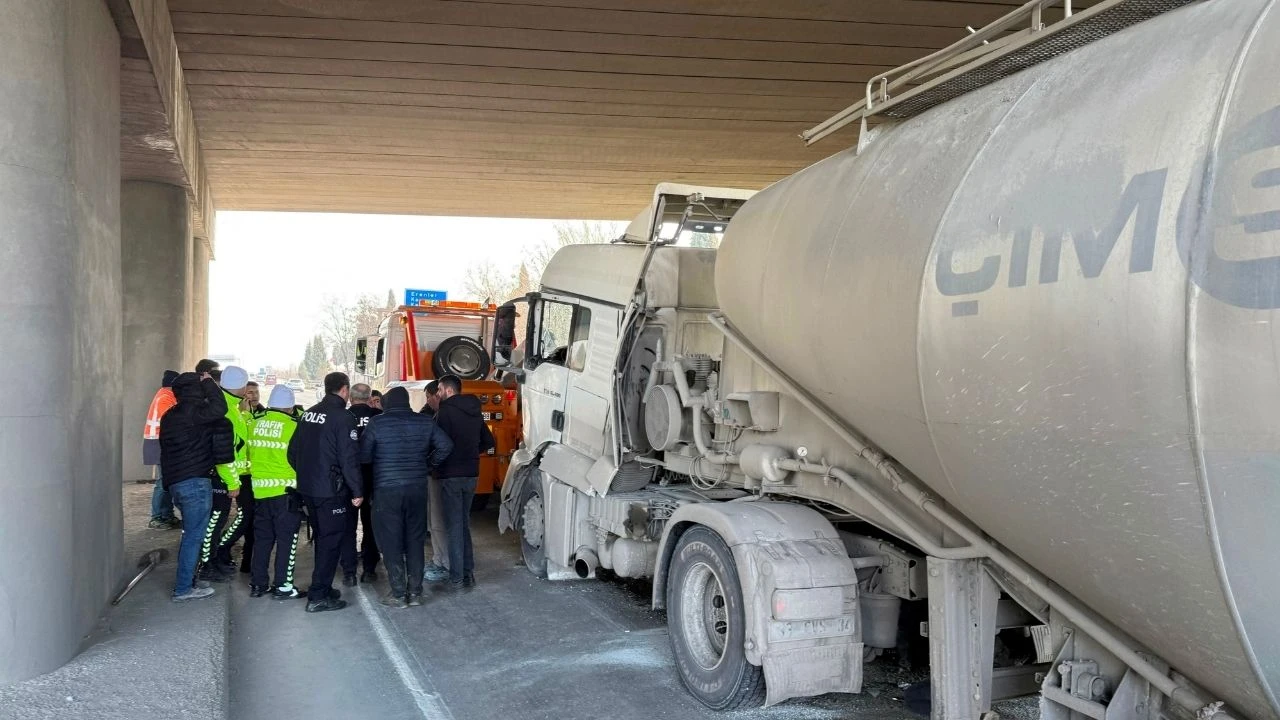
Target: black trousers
368 541
217 521
242 526
347 557
276 526
329 517
400 523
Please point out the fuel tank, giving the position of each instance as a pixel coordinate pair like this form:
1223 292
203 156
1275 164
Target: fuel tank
1054 300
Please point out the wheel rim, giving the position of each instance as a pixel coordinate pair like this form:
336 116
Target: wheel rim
464 360
532 519
704 616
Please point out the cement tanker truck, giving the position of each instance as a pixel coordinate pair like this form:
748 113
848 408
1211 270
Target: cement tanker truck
1012 362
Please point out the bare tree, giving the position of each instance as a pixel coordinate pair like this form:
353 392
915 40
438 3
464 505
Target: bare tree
341 324
484 281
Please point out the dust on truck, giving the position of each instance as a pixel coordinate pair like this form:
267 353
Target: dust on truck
419 343
1011 364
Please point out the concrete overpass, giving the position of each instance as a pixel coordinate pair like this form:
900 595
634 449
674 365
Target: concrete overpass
128 123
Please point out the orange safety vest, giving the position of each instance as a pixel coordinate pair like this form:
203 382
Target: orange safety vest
160 404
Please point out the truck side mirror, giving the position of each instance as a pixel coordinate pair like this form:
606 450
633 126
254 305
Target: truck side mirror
362 352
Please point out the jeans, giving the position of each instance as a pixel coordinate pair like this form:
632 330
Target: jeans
400 524
161 503
194 498
456 495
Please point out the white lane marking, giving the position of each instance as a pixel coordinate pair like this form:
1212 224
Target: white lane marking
429 704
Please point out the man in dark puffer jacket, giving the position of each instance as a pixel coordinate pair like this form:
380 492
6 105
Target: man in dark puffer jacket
187 459
403 447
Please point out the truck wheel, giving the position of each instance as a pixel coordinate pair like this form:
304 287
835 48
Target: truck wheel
532 525
707 624
461 356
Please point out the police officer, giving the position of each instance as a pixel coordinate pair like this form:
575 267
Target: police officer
323 451
226 486
276 517
363 410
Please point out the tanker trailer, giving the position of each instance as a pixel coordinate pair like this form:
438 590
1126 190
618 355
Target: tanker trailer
1015 353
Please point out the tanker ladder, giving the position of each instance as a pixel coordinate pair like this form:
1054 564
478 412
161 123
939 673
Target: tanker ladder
1098 672
1015 42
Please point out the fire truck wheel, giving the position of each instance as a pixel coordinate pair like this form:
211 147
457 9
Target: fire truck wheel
707 624
461 356
532 523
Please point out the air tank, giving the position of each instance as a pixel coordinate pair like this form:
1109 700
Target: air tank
1054 300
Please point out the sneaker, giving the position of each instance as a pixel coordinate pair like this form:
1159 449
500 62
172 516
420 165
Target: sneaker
194 593
325 605
175 523
469 580
257 590
349 579
394 601
415 599
159 524
201 584
227 568
369 576
433 573
282 593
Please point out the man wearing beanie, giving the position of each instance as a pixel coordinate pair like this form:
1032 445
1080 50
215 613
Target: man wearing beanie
226 486
323 451
277 515
403 447
187 459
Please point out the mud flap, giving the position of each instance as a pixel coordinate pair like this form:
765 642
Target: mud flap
804 625
810 671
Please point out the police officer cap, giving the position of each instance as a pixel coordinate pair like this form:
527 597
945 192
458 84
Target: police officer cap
234 378
281 398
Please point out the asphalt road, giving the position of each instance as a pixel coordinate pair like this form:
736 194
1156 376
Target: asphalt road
514 646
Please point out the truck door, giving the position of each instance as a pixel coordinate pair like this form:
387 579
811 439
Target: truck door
546 382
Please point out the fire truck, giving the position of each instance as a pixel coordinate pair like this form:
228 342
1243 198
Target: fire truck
416 344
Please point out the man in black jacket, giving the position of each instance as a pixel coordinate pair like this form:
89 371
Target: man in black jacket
187 461
323 451
363 410
461 418
403 447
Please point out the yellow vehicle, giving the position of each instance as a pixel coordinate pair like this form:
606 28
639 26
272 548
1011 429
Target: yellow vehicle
416 344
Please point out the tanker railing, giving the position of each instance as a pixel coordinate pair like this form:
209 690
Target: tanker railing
996 51
978 546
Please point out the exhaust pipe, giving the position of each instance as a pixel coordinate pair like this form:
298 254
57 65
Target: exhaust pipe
585 563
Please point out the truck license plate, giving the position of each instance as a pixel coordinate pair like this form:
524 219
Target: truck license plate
810 629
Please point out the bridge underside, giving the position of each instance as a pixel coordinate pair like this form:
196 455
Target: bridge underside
531 108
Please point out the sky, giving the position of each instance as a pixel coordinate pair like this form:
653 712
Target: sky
263 258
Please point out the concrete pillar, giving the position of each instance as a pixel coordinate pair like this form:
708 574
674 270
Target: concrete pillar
155 243
199 318
60 328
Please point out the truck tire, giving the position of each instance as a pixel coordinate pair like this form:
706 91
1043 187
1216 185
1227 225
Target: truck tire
707 624
462 356
531 525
